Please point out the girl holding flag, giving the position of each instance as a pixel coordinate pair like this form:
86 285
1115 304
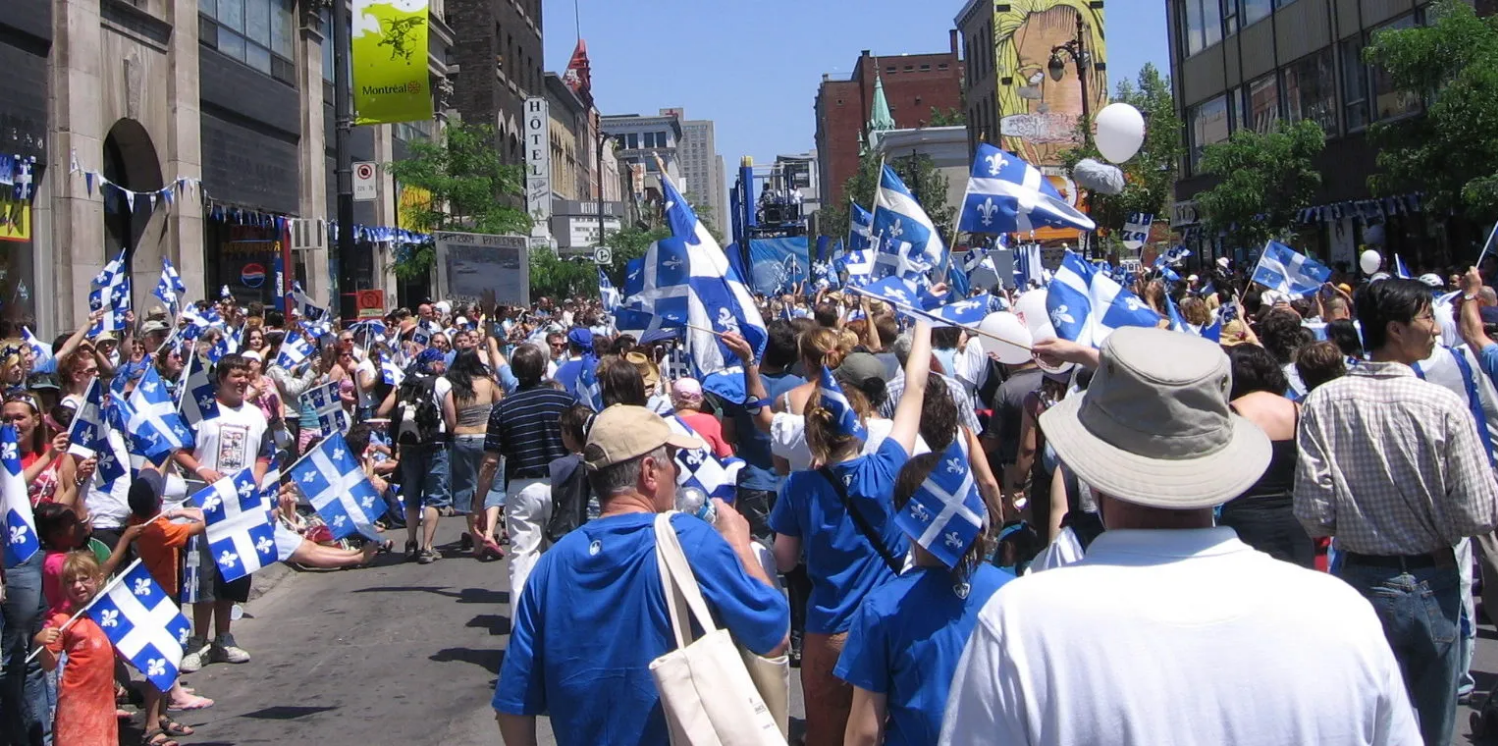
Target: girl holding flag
85 702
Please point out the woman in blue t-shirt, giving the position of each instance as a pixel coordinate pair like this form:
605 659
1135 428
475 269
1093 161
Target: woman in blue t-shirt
840 515
909 633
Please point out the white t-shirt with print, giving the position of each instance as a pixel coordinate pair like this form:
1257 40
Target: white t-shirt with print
233 440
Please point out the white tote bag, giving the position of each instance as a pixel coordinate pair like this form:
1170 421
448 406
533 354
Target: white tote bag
706 692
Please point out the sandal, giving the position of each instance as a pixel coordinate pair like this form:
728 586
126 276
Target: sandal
173 728
190 703
158 738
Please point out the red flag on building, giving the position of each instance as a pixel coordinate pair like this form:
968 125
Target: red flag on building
579 75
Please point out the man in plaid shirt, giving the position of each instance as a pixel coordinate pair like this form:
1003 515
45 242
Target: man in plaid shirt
1393 467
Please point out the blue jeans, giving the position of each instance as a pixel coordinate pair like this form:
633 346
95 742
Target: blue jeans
426 476
467 459
23 688
1420 610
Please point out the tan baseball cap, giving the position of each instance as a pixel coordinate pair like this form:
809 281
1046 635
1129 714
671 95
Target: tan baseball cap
622 432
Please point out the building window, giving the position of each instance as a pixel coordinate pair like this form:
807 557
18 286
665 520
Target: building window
890 70
1390 102
1207 124
909 68
1263 103
942 66
1256 10
925 68
1229 17
259 33
1203 26
1310 91
1354 85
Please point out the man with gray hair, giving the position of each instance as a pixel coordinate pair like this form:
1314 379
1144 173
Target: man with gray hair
593 614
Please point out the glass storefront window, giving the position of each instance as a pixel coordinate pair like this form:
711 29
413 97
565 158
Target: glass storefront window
1256 10
253 31
241 257
1388 101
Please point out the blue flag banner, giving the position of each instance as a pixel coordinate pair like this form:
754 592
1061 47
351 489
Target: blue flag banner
143 623
777 263
240 535
607 293
198 402
1007 195
332 479
1085 305
1288 271
714 297
909 243
698 467
21 541
946 513
1136 229
587 388
155 427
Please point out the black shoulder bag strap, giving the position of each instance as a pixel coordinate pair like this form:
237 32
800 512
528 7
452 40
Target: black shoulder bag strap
861 522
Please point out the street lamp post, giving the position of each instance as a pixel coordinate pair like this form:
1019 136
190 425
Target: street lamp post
1076 50
343 121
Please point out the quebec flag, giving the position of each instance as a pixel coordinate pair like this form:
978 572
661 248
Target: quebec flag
1086 305
946 513
701 469
240 536
688 277
198 401
334 482
967 312
143 623
909 244
20 527
1007 195
154 426
1287 270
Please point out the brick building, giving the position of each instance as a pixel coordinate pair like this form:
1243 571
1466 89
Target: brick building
914 84
498 51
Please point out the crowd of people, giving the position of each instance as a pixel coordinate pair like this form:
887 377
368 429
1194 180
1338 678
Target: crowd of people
1267 538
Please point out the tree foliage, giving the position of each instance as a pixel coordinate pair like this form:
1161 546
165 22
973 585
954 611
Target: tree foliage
1150 175
1450 153
557 277
470 190
1265 181
919 173
953 117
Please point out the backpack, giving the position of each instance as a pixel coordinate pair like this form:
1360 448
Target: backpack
417 416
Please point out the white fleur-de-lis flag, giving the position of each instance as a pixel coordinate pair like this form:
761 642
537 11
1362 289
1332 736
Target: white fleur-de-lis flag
240 534
143 623
1085 305
335 484
20 528
698 467
1005 194
946 514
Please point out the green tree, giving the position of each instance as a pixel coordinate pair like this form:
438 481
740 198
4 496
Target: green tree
1450 153
555 277
469 190
1151 174
919 173
953 117
1265 181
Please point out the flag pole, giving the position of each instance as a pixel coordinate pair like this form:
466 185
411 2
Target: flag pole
1485 246
118 578
928 316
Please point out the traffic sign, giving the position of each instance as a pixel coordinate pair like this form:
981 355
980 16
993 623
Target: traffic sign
364 182
603 255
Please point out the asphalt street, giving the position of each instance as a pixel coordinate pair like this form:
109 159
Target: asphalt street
396 653
401 653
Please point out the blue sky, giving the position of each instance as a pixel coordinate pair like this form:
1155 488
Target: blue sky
753 67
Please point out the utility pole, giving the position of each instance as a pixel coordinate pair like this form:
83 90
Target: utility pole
340 260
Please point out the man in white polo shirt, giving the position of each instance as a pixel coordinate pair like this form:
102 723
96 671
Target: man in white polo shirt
1171 631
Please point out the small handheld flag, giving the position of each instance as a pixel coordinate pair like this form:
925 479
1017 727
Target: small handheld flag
240 535
334 482
21 541
835 401
946 513
143 623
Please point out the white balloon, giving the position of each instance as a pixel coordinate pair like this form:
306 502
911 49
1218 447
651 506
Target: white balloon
1120 132
1008 326
1370 261
1030 308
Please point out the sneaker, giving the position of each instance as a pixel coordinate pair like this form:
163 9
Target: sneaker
193 653
465 543
411 553
225 651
